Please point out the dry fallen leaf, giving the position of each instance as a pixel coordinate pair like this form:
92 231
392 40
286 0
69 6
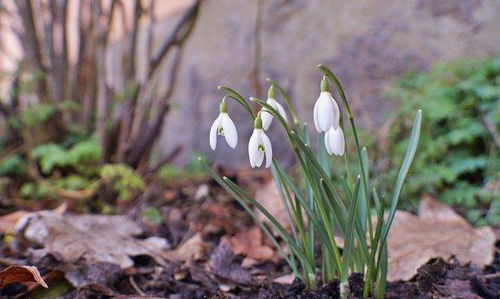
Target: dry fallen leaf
93 238
222 263
250 244
85 275
22 274
269 197
191 250
437 232
8 222
285 279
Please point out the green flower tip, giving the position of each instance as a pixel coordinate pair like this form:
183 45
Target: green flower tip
220 87
257 124
271 94
324 84
320 65
223 106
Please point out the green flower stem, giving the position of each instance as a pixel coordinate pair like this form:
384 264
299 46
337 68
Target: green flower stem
294 140
332 77
288 103
230 93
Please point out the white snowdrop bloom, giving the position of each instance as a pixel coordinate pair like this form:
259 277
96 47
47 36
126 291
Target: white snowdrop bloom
334 141
271 100
259 145
326 110
224 126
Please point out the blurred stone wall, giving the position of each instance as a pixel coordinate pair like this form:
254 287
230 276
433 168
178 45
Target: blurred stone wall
367 43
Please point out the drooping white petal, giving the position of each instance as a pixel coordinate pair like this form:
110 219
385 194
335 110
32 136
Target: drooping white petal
336 113
334 141
267 118
339 143
315 117
230 132
253 148
260 152
281 111
328 141
324 112
213 132
267 148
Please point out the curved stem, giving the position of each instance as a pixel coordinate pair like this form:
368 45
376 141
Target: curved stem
288 102
334 79
231 93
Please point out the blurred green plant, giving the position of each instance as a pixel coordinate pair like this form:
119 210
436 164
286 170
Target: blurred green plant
64 168
152 215
458 152
123 179
193 170
67 130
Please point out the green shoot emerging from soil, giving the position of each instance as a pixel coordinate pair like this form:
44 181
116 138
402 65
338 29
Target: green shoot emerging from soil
327 207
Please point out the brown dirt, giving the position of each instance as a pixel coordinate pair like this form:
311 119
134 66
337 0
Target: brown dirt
215 268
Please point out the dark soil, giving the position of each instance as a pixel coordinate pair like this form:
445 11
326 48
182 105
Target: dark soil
220 273
436 279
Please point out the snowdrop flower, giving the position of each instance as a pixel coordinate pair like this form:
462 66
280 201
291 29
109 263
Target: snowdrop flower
259 145
224 126
271 100
326 111
334 141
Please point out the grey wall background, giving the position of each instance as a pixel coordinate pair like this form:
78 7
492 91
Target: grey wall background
367 43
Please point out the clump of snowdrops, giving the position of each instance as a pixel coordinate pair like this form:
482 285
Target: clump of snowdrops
328 206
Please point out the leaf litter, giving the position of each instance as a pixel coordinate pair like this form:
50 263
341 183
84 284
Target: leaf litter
437 232
93 238
224 251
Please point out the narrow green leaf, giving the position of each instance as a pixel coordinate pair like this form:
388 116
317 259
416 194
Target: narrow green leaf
382 279
323 157
410 154
221 182
349 235
363 207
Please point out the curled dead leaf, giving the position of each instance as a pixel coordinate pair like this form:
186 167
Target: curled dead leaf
269 197
222 264
21 274
93 238
191 250
436 232
285 279
8 222
250 244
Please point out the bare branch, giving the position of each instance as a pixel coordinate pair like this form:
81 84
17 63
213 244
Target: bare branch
178 35
65 51
133 40
32 41
145 142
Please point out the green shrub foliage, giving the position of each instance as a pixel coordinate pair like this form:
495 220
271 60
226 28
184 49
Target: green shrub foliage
457 160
